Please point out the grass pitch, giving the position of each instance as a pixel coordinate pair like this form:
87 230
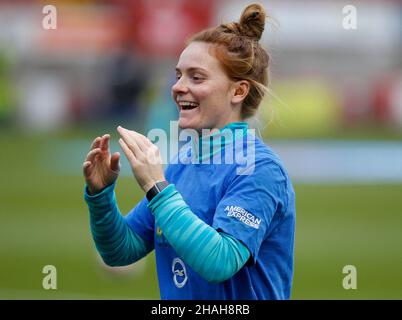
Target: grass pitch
44 221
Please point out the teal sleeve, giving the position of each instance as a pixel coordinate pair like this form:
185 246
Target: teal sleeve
115 241
214 255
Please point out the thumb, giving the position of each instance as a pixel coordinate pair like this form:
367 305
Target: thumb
115 162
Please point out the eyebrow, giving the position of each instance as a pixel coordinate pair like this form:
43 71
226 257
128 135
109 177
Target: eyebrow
194 69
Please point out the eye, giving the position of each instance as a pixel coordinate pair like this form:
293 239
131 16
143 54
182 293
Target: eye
197 78
178 76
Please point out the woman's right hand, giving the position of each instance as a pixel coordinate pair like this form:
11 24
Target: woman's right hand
100 169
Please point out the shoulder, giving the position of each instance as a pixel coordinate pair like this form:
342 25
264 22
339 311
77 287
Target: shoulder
258 159
262 171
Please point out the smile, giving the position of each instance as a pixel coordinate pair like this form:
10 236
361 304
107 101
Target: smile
187 105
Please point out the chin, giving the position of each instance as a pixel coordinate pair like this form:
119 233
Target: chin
186 125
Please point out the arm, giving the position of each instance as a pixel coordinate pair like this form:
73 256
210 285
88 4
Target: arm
115 241
214 255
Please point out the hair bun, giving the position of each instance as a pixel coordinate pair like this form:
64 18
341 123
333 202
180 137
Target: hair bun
252 21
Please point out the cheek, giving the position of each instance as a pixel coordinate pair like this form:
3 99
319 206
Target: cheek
203 93
212 93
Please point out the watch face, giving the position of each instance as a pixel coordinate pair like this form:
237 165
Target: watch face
161 185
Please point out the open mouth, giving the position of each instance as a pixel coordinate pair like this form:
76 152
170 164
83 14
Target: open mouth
188 105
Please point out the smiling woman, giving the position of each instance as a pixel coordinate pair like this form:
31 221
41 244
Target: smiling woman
218 232
203 91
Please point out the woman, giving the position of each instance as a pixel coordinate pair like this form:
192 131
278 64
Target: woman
218 232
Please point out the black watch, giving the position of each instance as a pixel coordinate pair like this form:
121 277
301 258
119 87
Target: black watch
157 188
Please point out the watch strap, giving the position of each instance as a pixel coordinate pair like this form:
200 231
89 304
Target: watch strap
157 188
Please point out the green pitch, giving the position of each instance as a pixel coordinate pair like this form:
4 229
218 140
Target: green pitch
44 221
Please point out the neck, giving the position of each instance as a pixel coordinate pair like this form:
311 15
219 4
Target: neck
232 119
210 141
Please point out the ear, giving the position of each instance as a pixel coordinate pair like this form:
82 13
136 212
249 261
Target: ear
241 89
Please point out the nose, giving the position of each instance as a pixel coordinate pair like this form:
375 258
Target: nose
179 87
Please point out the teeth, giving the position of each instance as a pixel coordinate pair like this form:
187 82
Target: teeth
188 104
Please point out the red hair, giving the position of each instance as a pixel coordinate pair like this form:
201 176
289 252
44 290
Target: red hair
236 46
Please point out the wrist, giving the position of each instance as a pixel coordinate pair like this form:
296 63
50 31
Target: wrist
96 198
147 186
92 191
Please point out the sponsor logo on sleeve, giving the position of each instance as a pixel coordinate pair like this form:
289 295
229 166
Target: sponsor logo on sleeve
160 238
243 215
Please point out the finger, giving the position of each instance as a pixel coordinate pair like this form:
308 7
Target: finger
87 168
127 151
92 154
105 142
141 140
96 143
145 141
115 162
130 141
150 150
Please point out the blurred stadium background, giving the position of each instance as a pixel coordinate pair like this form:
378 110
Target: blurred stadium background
336 121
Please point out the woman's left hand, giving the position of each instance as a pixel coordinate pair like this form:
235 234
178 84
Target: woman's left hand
143 156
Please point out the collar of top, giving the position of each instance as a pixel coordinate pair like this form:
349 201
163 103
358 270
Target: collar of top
205 146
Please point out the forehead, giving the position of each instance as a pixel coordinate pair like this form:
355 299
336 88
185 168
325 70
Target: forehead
198 55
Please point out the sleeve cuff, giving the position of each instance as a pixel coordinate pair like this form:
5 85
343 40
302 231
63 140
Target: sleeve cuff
166 193
106 192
